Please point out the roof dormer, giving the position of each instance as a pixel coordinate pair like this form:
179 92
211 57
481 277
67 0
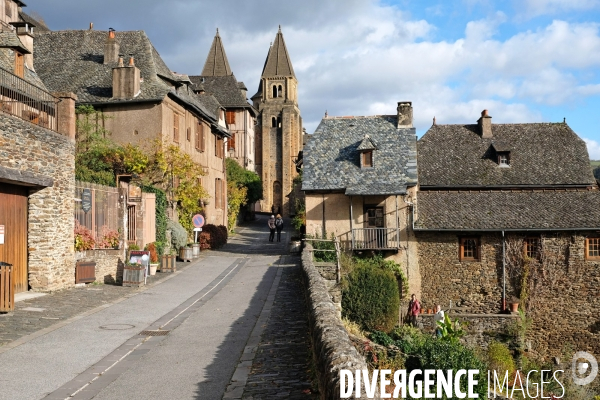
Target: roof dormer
366 149
502 151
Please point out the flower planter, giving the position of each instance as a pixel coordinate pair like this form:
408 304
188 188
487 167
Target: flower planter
196 250
514 307
186 254
153 268
133 275
168 263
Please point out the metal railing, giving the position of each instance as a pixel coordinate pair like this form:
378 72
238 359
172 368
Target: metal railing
375 239
27 101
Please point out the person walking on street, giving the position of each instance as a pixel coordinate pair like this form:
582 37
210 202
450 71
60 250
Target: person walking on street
414 308
271 224
279 226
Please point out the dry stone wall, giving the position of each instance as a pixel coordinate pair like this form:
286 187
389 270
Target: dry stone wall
31 149
564 294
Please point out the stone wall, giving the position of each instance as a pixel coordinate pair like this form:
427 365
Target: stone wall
332 347
563 299
35 151
109 264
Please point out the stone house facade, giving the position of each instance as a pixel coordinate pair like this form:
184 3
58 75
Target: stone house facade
279 129
218 80
509 212
142 99
359 180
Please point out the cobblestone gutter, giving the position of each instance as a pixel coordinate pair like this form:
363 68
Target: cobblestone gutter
332 347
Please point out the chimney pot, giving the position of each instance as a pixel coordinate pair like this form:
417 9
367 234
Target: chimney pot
404 114
111 48
121 61
485 124
131 61
91 26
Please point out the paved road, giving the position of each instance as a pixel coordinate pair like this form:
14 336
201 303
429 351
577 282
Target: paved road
233 324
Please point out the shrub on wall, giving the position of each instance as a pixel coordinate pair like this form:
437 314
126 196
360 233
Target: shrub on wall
213 236
179 235
371 298
84 239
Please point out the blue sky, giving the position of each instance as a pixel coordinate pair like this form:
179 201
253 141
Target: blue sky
524 61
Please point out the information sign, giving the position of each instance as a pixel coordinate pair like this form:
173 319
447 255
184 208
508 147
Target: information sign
86 200
198 221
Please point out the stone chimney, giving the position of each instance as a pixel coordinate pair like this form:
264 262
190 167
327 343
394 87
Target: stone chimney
25 33
111 48
65 113
126 80
405 114
485 124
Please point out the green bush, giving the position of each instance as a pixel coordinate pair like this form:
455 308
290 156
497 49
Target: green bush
500 358
323 256
371 298
179 236
381 338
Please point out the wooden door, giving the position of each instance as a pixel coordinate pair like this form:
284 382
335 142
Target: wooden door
13 216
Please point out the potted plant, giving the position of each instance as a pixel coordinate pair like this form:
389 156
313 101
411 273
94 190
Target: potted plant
195 249
186 253
151 247
514 304
133 274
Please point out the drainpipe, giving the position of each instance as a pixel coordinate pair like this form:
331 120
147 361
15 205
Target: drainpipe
503 274
351 223
324 228
398 226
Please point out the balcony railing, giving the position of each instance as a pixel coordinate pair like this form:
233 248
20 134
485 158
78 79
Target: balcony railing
375 239
27 101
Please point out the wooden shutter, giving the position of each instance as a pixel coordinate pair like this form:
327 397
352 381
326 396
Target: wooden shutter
230 117
176 128
231 142
19 64
224 194
197 141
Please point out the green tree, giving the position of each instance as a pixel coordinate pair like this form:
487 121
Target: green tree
243 187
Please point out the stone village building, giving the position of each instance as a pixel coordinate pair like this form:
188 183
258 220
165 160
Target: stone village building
491 202
279 129
141 97
359 179
218 80
37 161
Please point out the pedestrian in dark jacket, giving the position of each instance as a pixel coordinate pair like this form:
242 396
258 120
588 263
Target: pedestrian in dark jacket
271 224
279 226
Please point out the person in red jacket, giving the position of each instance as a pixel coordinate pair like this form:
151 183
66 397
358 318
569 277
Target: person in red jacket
414 309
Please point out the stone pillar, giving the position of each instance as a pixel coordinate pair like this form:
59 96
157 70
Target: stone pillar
65 114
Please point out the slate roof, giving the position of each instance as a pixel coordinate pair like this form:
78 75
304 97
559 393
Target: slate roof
332 159
10 40
224 88
278 60
40 26
216 62
540 154
508 210
7 62
73 61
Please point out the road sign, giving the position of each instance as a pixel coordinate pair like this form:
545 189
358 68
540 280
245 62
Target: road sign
86 200
198 221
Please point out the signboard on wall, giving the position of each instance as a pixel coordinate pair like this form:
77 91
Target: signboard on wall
135 193
86 200
135 256
1 234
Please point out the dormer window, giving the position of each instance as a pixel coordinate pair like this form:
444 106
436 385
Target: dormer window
504 159
367 158
366 148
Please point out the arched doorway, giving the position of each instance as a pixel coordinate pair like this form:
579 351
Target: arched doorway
277 197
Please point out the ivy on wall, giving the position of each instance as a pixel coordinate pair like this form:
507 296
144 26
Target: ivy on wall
161 216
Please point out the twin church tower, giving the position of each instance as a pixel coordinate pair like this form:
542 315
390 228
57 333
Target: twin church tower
278 130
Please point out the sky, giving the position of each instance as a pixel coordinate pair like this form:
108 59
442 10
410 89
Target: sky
523 60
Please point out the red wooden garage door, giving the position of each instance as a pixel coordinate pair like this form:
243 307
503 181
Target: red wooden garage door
13 216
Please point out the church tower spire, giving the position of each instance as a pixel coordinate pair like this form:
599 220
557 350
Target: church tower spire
279 135
216 62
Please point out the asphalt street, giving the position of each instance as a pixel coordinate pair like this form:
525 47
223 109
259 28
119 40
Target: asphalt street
184 338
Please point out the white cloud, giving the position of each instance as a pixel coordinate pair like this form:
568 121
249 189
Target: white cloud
532 8
593 148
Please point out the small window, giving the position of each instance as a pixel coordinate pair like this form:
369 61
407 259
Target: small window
279 121
219 147
367 159
231 143
176 128
274 91
280 91
531 248
273 122
375 217
188 134
504 159
592 248
469 249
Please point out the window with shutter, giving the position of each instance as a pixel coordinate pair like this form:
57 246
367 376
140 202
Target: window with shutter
469 249
230 117
592 248
176 128
231 143
19 64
